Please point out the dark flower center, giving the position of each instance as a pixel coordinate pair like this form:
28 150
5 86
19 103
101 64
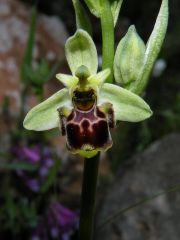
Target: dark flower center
84 100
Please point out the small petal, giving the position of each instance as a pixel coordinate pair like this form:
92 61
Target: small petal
45 115
80 50
127 105
67 80
99 78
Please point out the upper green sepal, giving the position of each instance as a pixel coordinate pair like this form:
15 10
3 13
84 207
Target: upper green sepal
127 106
44 116
153 48
129 58
81 50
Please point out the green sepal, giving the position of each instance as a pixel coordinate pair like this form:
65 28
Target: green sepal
67 80
44 116
80 50
127 105
153 48
82 19
129 57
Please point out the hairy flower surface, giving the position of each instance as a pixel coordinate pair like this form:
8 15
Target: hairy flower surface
87 107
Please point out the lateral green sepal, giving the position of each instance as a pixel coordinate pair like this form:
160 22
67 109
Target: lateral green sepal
44 116
127 105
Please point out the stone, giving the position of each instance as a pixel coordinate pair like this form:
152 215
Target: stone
146 174
14 25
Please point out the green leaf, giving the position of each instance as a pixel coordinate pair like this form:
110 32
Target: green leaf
51 179
39 74
129 58
115 8
127 105
18 166
45 115
153 48
82 19
27 60
80 50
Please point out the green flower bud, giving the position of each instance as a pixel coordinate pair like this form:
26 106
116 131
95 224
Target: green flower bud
82 19
95 6
129 58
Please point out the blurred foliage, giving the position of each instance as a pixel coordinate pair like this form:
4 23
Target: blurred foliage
30 172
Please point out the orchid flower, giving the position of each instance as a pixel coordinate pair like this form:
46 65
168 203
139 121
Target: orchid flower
87 107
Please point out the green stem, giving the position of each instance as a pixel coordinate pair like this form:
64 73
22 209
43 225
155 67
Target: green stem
107 25
88 198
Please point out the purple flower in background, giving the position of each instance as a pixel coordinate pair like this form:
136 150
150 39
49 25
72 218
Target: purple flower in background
30 154
60 223
33 184
62 218
40 157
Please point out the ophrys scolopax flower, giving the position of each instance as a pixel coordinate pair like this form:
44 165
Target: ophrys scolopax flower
87 107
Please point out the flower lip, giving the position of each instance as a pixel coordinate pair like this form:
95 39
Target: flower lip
87 131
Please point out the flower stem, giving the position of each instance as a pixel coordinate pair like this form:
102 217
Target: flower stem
88 198
107 25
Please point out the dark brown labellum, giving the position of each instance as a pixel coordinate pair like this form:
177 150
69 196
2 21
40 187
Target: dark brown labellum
87 125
